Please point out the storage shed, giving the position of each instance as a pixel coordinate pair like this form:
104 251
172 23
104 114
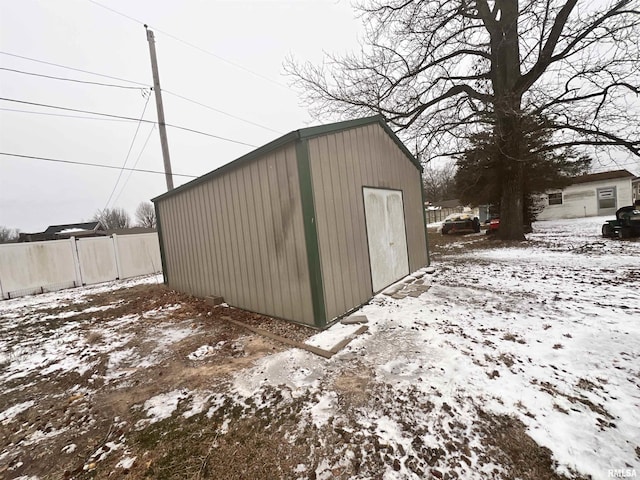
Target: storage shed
305 228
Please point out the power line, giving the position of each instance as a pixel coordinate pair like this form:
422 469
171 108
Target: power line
135 164
127 118
122 86
116 12
101 165
68 79
208 134
126 159
65 116
220 111
237 65
75 69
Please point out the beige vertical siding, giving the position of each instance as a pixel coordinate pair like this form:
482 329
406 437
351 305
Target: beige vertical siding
240 235
341 164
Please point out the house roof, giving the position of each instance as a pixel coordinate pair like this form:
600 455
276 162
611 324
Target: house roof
129 231
72 227
303 133
597 177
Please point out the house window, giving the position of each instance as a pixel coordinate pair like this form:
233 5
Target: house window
606 198
555 198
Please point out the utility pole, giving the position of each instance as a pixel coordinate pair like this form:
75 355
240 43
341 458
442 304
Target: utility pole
162 127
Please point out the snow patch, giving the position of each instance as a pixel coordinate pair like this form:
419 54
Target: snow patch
162 406
126 463
11 412
322 411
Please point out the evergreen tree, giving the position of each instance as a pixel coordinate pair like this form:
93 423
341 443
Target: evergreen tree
480 176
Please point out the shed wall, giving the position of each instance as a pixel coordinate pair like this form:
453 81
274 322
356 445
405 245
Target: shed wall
240 235
341 164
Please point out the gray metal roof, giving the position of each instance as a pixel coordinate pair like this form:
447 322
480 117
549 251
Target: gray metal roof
597 177
76 226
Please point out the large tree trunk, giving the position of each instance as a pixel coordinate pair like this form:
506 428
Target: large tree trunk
511 202
512 168
505 73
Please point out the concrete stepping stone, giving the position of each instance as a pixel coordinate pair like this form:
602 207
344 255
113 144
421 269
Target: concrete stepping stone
354 319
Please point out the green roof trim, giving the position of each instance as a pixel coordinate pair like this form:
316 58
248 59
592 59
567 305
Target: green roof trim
163 257
303 133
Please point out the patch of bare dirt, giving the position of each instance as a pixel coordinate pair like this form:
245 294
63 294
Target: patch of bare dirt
440 245
74 419
510 446
354 386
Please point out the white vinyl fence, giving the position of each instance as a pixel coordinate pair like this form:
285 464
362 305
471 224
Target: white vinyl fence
36 267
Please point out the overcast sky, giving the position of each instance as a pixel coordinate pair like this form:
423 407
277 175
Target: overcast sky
241 76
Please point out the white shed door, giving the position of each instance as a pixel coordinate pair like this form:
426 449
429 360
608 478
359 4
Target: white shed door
384 214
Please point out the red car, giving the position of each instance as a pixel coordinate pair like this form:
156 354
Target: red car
494 224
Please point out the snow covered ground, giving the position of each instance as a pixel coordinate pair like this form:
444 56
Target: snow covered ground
547 331
519 361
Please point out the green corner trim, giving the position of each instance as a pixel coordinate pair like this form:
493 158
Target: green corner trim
163 259
424 219
311 233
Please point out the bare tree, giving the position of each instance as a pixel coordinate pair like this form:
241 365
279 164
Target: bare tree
439 182
113 218
8 235
440 71
146 215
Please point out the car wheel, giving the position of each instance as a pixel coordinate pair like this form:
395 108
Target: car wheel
607 231
624 232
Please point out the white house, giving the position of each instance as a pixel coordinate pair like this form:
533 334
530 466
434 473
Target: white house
590 195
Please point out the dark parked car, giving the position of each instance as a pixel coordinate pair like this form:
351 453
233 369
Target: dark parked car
626 224
460 222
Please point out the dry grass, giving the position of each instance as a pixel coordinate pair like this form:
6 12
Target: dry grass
94 337
510 445
255 446
87 419
265 439
454 243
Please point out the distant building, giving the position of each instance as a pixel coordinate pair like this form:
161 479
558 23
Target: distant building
80 230
60 232
591 195
129 231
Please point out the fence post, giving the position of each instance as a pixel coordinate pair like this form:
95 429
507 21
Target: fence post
116 255
76 261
